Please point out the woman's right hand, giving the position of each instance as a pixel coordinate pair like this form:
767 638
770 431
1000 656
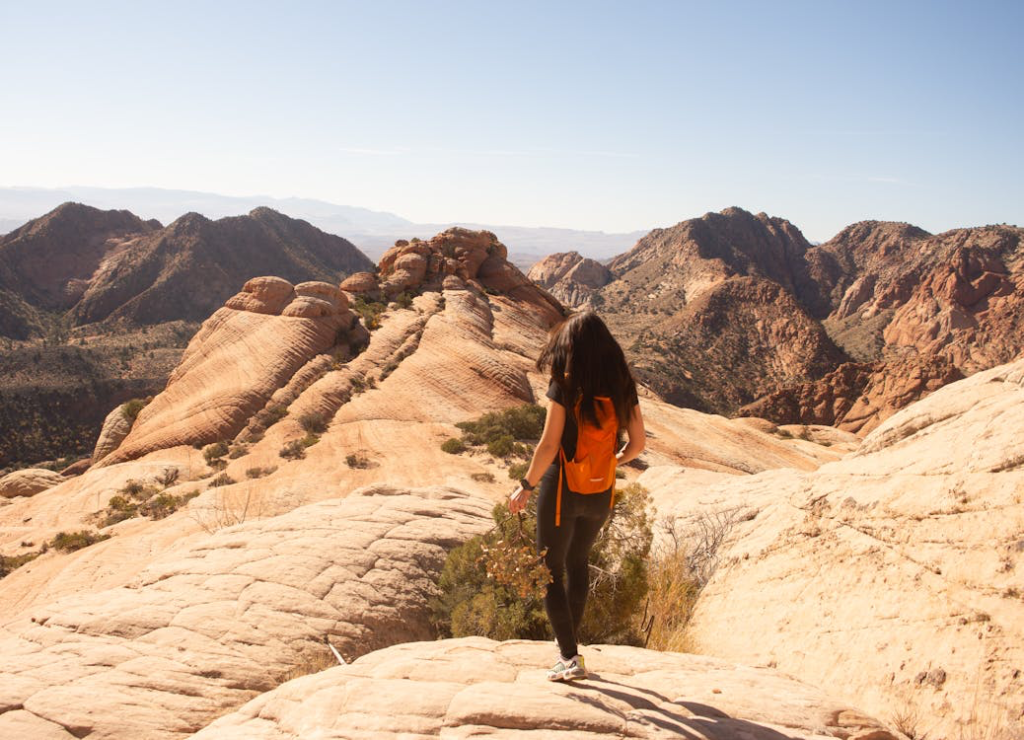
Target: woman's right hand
518 500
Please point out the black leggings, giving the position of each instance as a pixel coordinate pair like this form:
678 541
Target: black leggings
568 550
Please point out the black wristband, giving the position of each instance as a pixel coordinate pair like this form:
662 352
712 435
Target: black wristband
526 485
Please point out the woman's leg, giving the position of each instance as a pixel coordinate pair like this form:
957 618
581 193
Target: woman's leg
556 541
591 513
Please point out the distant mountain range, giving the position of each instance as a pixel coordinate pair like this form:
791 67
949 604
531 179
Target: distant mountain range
372 231
736 312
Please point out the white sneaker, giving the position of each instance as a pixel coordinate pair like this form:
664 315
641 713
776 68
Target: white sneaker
568 669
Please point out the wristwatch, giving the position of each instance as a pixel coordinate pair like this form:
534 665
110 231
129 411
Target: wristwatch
525 484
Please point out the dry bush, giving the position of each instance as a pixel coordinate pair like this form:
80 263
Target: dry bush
681 566
226 507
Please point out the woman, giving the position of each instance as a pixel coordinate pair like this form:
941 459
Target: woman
586 363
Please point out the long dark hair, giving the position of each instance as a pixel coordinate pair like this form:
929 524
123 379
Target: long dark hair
586 361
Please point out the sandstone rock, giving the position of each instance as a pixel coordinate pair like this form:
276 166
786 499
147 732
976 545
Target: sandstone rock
360 282
208 627
231 368
267 294
474 687
115 428
570 277
28 482
900 558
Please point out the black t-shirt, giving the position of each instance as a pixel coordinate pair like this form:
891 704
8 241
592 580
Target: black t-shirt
569 431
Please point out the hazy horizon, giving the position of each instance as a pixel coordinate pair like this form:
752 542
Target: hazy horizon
585 116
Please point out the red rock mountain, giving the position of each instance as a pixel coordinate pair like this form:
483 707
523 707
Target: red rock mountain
735 312
721 310
99 265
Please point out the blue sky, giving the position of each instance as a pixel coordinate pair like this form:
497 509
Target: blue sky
589 115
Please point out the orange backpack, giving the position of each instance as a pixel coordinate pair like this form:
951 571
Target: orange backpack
592 469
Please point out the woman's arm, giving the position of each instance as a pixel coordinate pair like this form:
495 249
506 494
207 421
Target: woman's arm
543 455
637 438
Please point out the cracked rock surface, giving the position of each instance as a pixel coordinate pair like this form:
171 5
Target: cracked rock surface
903 559
206 628
475 687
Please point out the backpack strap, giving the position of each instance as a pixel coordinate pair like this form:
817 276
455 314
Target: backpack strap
558 498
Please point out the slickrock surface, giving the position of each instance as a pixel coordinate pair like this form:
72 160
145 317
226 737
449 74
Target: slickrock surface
894 574
474 687
228 616
570 277
28 482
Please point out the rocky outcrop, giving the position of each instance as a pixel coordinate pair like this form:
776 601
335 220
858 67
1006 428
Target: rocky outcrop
857 397
570 277
453 259
894 572
475 687
232 615
115 428
28 482
242 354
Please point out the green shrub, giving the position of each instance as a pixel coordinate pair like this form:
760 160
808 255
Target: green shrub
237 452
9 563
357 461
269 417
222 480
493 585
369 311
521 422
404 299
293 450
314 422
501 446
130 409
164 504
215 451
453 446
310 439
259 472
517 471
71 541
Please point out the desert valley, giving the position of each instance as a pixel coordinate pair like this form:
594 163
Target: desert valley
229 453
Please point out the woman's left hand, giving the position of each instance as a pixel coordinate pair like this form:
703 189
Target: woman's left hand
518 500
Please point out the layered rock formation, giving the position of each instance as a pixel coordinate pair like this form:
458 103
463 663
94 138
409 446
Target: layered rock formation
245 352
474 687
893 574
570 277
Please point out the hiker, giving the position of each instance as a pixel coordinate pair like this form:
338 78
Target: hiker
593 396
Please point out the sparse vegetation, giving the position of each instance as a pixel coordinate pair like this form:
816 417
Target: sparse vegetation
369 311
493 585
71 541
213 453
258 472
357 461
453 446
222 480
314 422
483 477
293 450
227 507
517 471
130 409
